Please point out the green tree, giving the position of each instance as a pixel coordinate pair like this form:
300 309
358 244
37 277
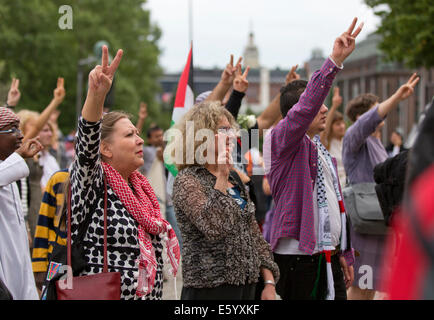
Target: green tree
407 29
36 50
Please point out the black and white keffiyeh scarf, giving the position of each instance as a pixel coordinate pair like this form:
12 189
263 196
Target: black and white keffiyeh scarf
324 233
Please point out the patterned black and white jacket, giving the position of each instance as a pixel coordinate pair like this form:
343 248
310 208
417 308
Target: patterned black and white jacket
87 189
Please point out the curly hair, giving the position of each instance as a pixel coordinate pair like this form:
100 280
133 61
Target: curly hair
360 104
205 115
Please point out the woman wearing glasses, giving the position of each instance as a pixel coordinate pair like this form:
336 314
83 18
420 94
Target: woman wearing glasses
224 252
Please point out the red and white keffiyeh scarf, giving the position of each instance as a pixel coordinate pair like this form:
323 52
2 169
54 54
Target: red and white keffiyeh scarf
142 204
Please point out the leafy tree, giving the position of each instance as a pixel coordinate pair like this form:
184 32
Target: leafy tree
408 30
34 49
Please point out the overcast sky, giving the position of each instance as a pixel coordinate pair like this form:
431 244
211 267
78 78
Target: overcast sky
285 31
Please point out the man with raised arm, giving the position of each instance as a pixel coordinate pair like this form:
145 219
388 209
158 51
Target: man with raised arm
308 233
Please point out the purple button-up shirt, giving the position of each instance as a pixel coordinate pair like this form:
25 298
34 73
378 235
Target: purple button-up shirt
361 152
292 167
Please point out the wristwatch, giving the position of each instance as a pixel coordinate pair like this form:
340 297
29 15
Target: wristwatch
270 282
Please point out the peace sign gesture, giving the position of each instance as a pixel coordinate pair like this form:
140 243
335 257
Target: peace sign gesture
59 93
101 77
14 93
241 83
346 43
228 74
407 89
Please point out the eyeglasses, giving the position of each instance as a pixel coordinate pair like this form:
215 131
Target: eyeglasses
13 130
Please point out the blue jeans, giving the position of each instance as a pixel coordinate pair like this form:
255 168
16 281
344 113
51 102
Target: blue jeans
170 216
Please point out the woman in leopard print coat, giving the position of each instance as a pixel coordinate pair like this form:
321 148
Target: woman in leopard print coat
223 249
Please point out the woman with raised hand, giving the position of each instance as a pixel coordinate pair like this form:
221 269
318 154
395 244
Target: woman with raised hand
108 154
224 252
362 151
43 165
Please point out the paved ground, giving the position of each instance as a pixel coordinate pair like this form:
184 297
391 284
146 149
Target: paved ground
169 285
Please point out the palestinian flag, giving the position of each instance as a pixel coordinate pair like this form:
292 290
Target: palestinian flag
184 99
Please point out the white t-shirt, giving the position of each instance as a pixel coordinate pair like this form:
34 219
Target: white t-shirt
336 152
49 166
289 246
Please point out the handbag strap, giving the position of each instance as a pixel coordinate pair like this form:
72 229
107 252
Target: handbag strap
69 213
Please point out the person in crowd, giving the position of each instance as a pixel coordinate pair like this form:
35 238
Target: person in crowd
108 153
15 266
224 252
48 230
362 151
334 132
396 144
142 116
309 234
57 148
43 165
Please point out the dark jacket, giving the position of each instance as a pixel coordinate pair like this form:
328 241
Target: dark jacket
390 179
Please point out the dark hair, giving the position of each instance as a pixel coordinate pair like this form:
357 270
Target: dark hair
290 94
360 104
152 130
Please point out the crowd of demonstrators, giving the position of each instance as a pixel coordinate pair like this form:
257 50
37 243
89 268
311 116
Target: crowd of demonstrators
244 235
224 251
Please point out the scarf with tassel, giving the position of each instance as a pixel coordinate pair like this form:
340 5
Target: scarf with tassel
142 204
324 232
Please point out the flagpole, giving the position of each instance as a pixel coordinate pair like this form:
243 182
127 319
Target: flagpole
190 22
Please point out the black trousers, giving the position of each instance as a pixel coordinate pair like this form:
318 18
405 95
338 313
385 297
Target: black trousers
298 274
223 292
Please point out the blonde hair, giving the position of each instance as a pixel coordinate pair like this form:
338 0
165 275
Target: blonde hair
108 122
205 115
25 116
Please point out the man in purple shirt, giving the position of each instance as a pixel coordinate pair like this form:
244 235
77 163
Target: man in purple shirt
292 173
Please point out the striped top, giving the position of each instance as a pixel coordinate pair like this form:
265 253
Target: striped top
48 222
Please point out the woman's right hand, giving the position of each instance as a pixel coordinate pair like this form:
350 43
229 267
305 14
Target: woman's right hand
101 77
224 157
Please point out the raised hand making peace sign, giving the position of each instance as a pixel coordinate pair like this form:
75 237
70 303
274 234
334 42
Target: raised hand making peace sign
228 74
14 93
407 89
241 83
346 43
59 93
101 77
